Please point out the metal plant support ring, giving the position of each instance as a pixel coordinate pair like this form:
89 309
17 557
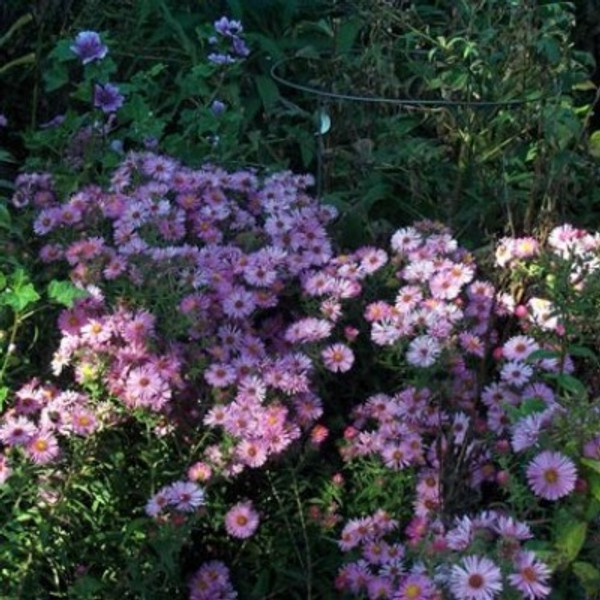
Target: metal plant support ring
409 102
325 96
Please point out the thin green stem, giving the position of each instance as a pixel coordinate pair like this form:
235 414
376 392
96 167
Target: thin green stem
308 569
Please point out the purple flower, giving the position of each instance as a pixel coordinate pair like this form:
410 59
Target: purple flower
218 108
239 47
54 122
89 47
107 97
3 120
551 475
221 59
228 28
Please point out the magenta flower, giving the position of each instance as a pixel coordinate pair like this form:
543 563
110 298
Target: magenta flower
241 521
551 475
476 578
89 47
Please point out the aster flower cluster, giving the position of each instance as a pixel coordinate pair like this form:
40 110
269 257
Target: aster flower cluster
212 582
41 415
463 422
567 248
453 560
230 247
230 43
436 297
114 349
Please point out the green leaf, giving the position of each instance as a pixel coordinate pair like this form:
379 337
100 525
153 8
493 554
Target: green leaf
594 144
267 90
19 298
542 354
531 406
592 464
582 352
56 77
347 34
588 575
571 384
64 292
571 538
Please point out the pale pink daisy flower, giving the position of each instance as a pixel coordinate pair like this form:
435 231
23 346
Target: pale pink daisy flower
220 375
472 344
416 586
241 521
385 332
373 259
444 286
83 422
532 575
423 351
526 432
516 373
199 471
42 447
157 503
252 453
239 303
379 588
543 313
395 456
17 431
519 347
408 298
96 331
551 475
475 578
507 527
186 496
405 240
526 247
338 358
592 449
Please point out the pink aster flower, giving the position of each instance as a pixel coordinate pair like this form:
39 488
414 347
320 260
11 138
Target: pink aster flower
252 453
516 373
186 496
83 422
406 240
519 347
592 449
531 577
17 431
241 521
416 587
220 375
239 303
157 503
42 447
476 578
423 351
338 358
551 475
